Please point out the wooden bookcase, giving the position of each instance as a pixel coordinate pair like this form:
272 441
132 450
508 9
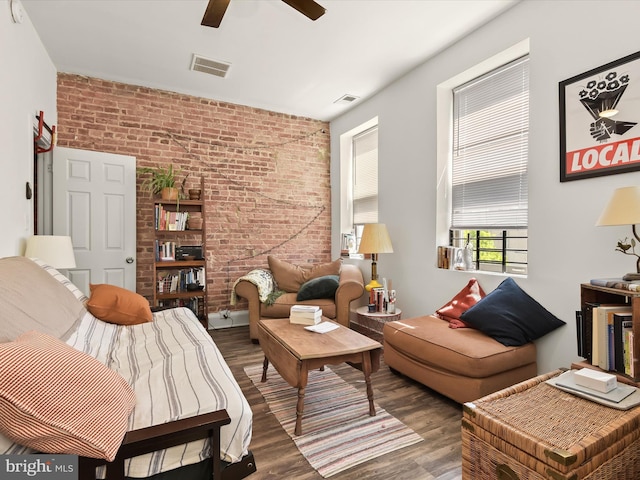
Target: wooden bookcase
165 296
595 294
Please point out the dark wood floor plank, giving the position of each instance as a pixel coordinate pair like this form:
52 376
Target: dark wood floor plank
434 417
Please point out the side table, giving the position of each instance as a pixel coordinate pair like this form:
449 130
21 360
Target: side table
372 323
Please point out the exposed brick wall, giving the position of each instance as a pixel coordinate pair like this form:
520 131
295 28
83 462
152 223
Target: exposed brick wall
266 174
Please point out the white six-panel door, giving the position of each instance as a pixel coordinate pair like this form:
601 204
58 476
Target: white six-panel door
94 201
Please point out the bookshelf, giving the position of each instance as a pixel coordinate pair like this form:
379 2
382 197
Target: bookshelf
590 294
172 275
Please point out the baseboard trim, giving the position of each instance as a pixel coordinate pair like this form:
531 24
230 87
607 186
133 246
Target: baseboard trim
239 318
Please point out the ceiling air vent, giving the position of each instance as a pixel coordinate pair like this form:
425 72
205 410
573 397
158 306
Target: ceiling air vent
346 99
212 67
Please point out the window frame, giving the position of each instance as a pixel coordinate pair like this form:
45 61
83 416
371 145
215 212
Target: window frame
444 134
368 182
500 243
347 225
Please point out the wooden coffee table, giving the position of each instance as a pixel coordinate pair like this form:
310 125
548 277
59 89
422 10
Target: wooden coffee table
293 351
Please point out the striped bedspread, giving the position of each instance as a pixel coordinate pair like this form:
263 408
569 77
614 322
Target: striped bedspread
176 371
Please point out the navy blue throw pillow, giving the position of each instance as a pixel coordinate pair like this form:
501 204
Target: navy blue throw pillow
319 287
511 316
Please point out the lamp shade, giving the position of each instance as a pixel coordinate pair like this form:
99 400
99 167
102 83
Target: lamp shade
375 239
623 208
54 250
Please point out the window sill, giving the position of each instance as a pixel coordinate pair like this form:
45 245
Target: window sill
486 272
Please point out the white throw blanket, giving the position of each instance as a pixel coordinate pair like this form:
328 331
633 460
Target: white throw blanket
261 278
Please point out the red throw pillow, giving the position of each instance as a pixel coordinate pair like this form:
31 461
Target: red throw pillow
471 294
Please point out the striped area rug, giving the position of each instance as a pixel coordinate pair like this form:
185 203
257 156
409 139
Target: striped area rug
337 431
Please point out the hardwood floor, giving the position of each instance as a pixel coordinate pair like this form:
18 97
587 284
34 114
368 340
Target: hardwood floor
434 417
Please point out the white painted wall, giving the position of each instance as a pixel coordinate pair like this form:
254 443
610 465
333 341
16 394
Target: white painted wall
567 38
28 85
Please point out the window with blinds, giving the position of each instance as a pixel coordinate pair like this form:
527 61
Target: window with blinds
365 177
490 147
489 167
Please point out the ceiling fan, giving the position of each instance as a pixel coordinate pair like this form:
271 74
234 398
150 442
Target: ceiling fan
216 9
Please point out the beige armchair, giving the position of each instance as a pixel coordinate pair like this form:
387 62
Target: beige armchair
350 287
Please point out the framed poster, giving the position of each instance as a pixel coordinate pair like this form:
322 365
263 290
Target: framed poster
599 121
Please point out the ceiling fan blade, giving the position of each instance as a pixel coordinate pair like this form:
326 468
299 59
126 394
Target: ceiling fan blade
214 13
308 8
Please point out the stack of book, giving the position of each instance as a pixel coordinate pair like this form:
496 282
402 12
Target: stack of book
632 285
605 333
305 314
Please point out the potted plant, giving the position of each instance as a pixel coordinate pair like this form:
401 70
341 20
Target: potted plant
162 181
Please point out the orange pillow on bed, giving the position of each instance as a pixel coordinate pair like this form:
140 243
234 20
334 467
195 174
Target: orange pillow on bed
466 298
118 305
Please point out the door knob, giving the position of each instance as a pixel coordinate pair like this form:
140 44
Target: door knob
129 259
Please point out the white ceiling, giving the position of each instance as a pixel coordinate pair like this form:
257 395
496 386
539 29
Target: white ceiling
280 60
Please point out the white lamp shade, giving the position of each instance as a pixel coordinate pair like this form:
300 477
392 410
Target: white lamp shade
375 239
623 208
54 250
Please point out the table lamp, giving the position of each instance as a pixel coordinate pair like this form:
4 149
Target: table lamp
54 250
375 239
624 209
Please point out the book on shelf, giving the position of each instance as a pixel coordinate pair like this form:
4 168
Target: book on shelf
194 304
169 220
173 281
305 314
632 370
586 335
165 251
622 323
580 332
603 333
619 283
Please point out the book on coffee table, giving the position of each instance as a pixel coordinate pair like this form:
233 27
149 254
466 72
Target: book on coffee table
322 327
305 314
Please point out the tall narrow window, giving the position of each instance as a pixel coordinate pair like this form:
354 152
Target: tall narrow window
365 177
358 183
489 170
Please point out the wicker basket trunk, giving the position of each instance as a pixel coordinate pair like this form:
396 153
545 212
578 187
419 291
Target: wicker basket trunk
534 431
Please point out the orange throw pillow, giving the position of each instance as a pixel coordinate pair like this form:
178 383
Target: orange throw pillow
471 294
118 305
290 277
56 399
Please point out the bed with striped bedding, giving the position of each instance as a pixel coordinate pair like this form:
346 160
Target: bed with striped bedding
176 371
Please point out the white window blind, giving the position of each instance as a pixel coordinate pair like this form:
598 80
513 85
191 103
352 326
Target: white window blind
365 177
490 148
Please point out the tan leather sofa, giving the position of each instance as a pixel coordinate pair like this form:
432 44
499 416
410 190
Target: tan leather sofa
463 364
351 287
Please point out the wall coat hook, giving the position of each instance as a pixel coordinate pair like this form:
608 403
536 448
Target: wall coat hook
41 127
